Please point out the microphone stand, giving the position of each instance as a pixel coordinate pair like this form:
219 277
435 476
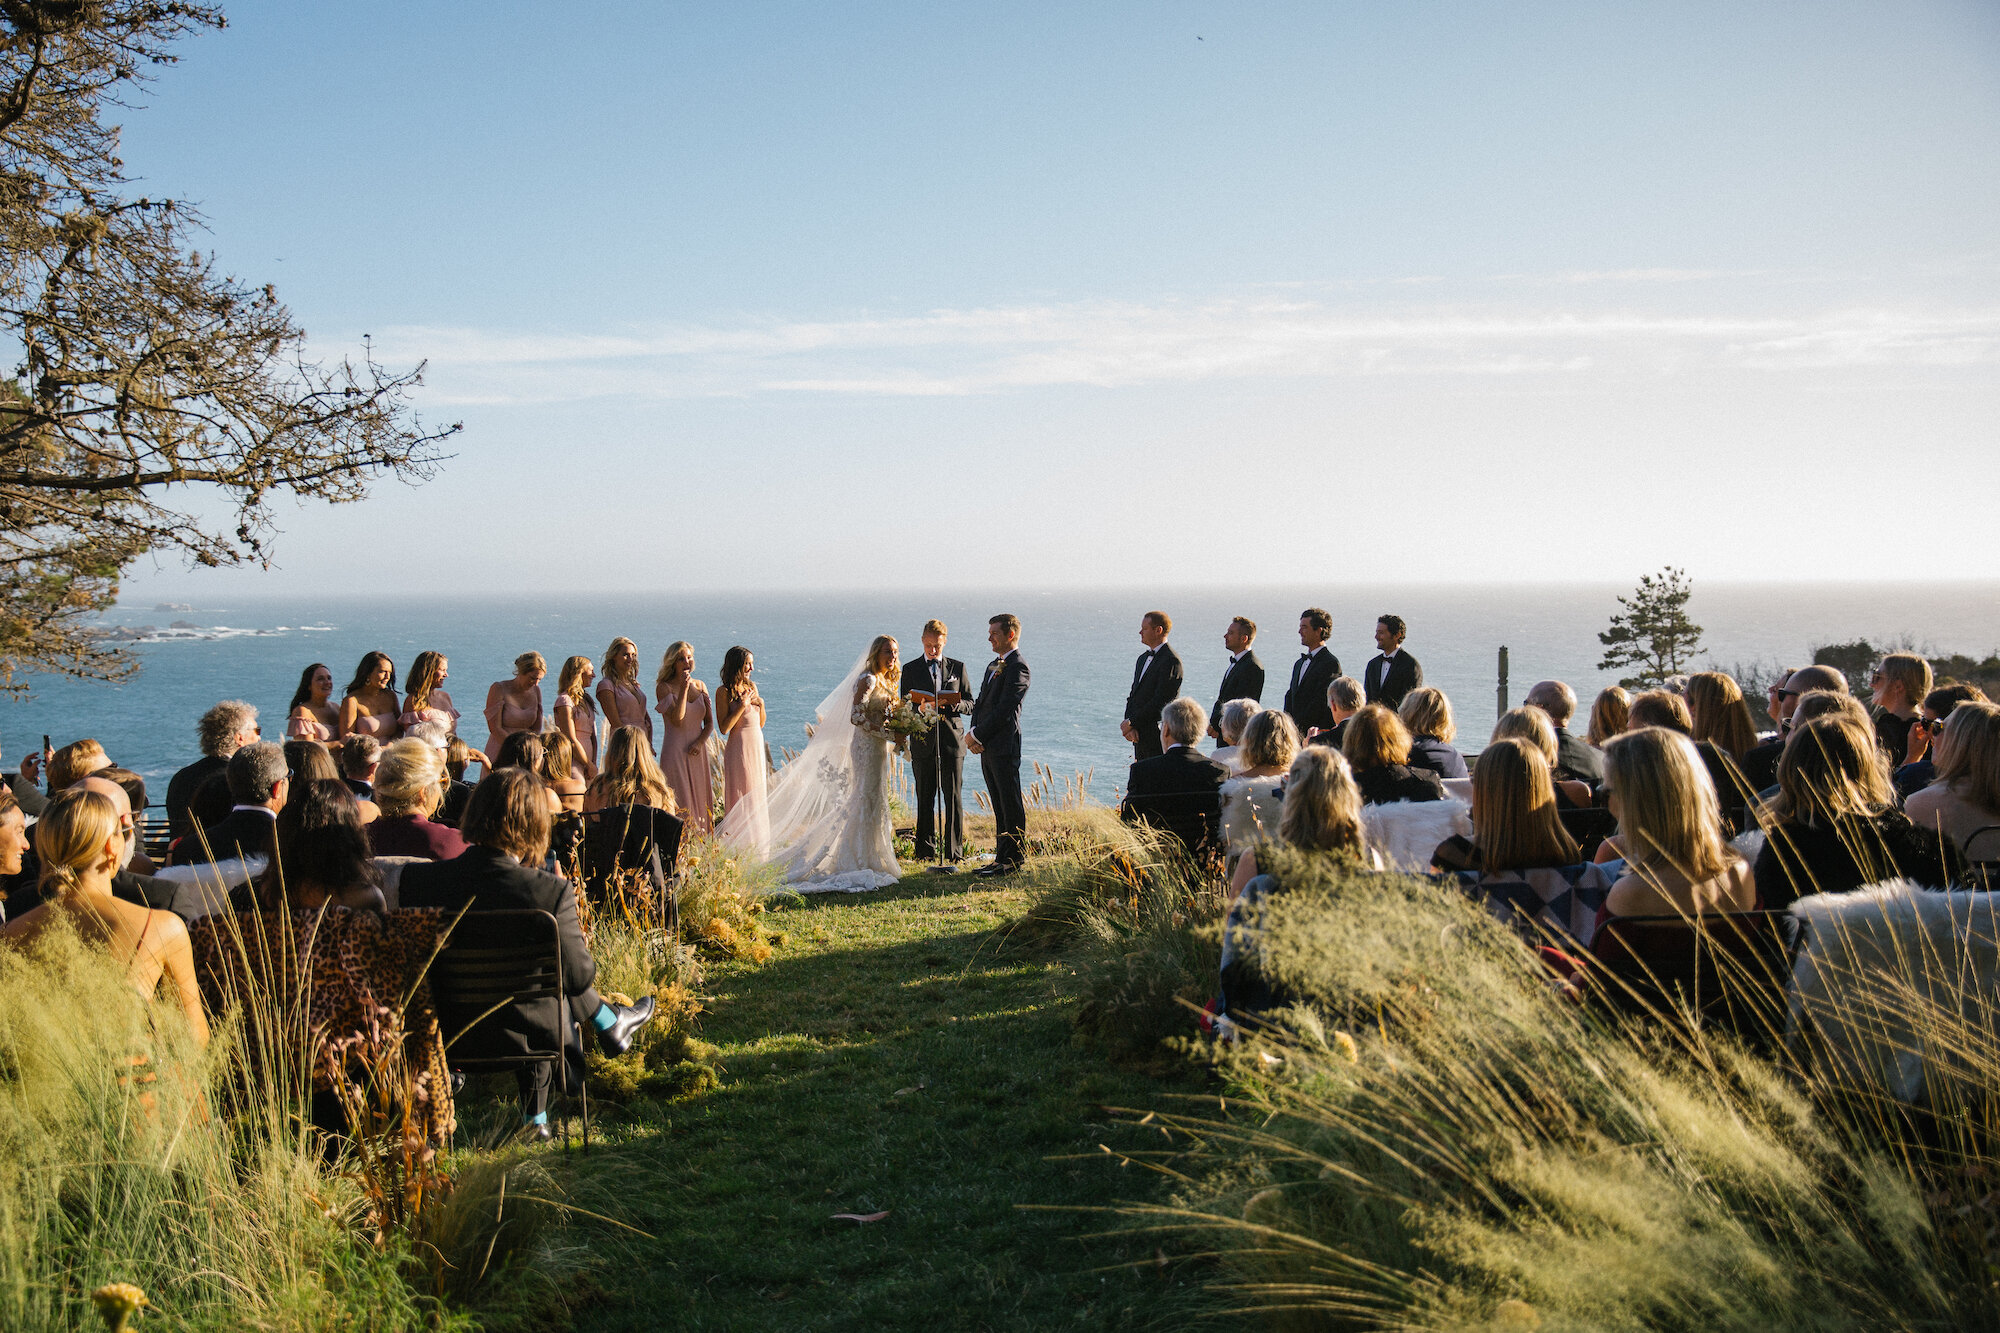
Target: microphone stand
939 834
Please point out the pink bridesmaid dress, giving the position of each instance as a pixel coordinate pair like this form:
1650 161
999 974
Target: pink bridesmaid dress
630 702
513 717
687 773
583 721
744 774
303 726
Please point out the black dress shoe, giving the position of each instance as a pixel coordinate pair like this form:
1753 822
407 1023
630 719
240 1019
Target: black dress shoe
617 1039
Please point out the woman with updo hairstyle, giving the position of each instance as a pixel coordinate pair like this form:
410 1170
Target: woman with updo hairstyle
369 706
424 698
620 696
1376 746
80 845
1253 800
1531 724
1609 716
515 706
313 716
1427 713
1670 830
576 715
408 787
686 721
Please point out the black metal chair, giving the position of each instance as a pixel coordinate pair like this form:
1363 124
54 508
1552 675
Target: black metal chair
624 838
1982 858
1730 969
497 986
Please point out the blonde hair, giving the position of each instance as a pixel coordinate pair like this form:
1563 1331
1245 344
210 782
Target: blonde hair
1913 673
1609 715
1322 810
70 838
1514 820
1426 712
1831 768
527 662
1270 740
77 760
671 656
936 627
1969 753
1661 708
875 651
1668 814
406 778
423 678
1375 738
1719 713
569 685
611 655
630 775
558 757
1528 723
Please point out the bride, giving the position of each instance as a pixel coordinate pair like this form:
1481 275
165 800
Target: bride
825 821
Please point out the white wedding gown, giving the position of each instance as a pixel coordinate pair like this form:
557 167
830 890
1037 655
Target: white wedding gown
826 823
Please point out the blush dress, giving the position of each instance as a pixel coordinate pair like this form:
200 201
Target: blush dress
383 726
688 774
745 777
303 726
437 709
622 702
583 721
513 717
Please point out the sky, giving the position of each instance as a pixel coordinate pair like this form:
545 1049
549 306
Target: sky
787 296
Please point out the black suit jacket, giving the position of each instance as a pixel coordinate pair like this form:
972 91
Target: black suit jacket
1243 680
1404 675
1305 697
996 713
949 729
1153 688
492 881
1179 791
181 790
1578 760
244 834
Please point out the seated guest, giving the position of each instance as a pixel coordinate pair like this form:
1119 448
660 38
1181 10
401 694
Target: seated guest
1514 820
257 787
13 845
22 784
1660 708
78 759
1724 734
79 844
1532 725
1676 863
1576 759
1178 790
1760 765
1343 701
630 776
1321 812
133 788
458 756
1834 826
561 771
1919 768
311 761
224 729
132 884
1610 715
359 753
322 854
1774 697
523 750
406 787
629 814
1427 713
507 825
1377 749
1897 688
1236 715
1825 703
1966 796
1252 799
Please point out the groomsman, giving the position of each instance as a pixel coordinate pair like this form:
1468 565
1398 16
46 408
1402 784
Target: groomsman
1305 699
938 760
995 736
1245 677
1393 673
1156 679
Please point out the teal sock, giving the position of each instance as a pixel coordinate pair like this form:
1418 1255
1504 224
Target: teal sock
538 1118
604 1018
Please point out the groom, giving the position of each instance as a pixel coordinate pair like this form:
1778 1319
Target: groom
996 738
938 760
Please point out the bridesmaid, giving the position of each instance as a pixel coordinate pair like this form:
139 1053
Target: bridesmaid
313 716
424 697
741 720
619 695
371 707
576 715
515 705
685 722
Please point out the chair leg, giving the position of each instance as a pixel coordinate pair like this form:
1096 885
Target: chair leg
583 1096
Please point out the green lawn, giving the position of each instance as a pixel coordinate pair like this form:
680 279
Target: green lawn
890 1058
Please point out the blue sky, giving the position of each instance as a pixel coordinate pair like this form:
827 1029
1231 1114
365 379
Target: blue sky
715 288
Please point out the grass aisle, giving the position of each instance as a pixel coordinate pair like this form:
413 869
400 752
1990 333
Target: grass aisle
888 1058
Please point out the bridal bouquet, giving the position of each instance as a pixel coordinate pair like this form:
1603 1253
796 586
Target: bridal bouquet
905 721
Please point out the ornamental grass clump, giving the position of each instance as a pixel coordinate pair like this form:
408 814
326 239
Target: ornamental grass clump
1437 1137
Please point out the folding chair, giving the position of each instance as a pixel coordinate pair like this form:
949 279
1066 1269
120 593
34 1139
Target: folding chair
497 986
633 837
1982 858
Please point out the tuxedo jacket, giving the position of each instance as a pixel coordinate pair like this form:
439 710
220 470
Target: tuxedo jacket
1305 698
996 713
1155 684
917 676
1243 680
1179 791
245 833
1386 682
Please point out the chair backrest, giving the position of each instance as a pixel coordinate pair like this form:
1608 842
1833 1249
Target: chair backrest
497 985
1982 858
1729 968
390 868
1590 827
625 837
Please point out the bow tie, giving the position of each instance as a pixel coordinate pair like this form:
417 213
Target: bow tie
1307 653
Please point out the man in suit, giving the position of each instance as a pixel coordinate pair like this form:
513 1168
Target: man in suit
1392 673
1305 697
258 784
996 738
1343 701
1245 677
507 824
1180 789
1156 678
938 760
223 730
1576 759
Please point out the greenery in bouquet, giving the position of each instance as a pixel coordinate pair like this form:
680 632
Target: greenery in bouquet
906 720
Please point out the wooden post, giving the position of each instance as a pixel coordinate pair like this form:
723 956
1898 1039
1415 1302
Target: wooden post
1501 693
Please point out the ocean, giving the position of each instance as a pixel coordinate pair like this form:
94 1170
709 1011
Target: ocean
1080 645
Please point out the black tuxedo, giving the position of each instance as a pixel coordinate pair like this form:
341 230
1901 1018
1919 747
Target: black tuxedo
1156 682
1305 700
244 834
938 760
996 724
1179 792
1403 674
1243 680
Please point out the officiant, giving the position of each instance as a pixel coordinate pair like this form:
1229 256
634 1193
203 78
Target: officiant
938 759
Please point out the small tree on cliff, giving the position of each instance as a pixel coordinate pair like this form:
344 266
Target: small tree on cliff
149 382
1653 633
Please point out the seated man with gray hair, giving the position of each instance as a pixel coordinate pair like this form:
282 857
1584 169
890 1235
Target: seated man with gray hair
258 784
223 730
1344 697
1179 790
1577 760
